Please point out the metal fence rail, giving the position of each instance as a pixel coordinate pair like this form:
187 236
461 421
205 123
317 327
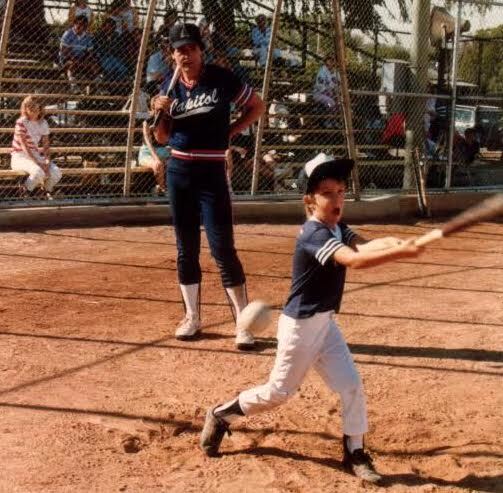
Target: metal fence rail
350 81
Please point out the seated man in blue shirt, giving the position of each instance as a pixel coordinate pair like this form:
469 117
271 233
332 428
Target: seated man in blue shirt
159 62
110 49
76 51
260 35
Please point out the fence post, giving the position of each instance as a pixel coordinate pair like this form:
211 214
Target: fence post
265 96
346 100
454 78
4 37
136 91
419 80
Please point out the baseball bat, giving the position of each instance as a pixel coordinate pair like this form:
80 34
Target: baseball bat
172 82
420 172
487 209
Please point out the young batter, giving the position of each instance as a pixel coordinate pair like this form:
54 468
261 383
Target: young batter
308 336
197 127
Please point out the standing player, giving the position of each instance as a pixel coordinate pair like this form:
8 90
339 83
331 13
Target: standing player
196 125
308 336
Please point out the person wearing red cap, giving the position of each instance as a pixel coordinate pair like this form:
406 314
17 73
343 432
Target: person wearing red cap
308 334
197 127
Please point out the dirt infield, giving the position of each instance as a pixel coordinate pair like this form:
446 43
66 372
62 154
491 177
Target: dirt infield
97 395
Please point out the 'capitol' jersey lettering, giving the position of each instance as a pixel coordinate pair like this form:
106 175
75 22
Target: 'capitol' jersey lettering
199 104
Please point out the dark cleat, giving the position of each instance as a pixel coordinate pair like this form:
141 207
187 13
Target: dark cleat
359 463
213 432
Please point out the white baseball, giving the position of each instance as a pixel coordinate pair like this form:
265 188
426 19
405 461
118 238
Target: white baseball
255 317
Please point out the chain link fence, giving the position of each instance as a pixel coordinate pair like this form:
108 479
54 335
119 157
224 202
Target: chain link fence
400 87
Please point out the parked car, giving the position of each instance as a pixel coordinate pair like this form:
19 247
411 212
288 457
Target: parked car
486 120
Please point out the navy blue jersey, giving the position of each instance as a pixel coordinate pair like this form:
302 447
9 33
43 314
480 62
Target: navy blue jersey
317 280
201 113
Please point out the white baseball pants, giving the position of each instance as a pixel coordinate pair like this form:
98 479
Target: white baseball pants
36 177
302 343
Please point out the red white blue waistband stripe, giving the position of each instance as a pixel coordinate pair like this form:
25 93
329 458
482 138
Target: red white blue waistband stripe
199 154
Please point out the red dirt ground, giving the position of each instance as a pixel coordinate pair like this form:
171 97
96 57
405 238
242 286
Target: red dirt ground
97 395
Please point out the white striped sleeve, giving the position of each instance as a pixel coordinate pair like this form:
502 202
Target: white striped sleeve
327 250
20 129
243 96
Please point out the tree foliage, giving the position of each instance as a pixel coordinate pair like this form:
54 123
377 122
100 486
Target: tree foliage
482 60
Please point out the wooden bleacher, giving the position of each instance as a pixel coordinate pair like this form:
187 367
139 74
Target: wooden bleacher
24 74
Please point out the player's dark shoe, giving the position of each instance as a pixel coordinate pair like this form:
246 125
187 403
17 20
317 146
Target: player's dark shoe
213 433
359 463
188 329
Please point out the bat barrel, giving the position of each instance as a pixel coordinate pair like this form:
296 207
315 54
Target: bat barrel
433 235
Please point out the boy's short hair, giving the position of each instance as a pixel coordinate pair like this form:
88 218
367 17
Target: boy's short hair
110 21
81 19
324 166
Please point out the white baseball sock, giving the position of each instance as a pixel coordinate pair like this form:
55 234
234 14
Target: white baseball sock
230 411
238 297
190 294
355 442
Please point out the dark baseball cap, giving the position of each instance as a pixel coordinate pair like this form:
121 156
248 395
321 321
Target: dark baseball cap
185 34
324 166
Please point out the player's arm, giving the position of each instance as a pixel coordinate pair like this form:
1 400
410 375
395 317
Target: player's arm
345 255
46 146
163 130
66 53
250 113
149 144
147 139
362 245
26 149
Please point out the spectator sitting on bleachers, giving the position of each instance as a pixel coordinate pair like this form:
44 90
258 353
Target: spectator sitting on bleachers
220 56
279 115
159 62
466 148
109 48
327 84
124 15
132 44
170 18
76 52
394 131
80 7
30 129
260 35
241 173
374 126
